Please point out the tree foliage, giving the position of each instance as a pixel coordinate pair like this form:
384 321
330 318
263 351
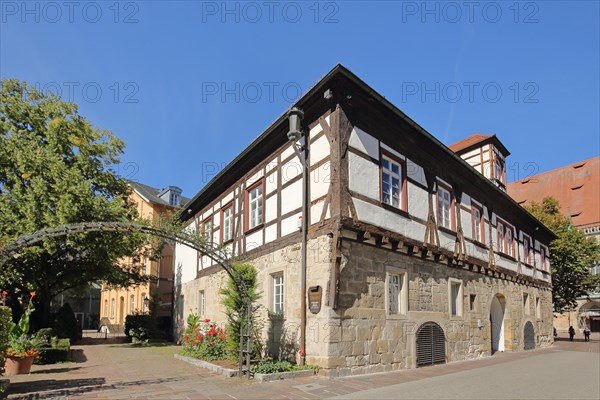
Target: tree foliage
572 255
55 169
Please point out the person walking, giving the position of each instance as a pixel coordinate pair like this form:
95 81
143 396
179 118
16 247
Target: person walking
571 333
586 334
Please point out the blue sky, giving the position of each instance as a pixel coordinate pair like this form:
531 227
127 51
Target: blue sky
188 85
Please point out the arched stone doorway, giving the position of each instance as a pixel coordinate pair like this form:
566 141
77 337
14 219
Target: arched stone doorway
589 315
528 336
497 322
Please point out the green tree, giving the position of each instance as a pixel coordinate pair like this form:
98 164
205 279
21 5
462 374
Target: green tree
572 255
236 310
55 169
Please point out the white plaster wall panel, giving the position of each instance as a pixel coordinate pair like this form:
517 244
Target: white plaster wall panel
466 200
271 208
471 153
363 176
319 150
446 240
185 260
467 223
217 219
415 172
477 251
227 199
315 212
328 120
289 225
259 174
320 180
417 201
270 233
290 170
383 218
362 141
291 197
254 240
289 150
315 130
394 152
271 182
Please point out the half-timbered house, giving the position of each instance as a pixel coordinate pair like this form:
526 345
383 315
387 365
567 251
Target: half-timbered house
415 255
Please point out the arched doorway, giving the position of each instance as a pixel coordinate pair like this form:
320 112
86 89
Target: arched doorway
589 315
497 322
431 345
529 336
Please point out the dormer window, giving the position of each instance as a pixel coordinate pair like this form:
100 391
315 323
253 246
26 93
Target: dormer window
499 171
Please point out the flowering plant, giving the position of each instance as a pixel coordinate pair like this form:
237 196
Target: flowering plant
203 339
20 344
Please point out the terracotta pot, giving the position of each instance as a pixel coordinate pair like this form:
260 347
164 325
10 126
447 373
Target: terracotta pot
17 366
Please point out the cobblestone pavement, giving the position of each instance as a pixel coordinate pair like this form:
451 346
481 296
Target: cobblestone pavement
112 370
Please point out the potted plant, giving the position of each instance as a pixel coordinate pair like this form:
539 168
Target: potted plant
22 349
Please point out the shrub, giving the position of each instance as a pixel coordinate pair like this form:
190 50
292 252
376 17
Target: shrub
235 309
272 367
65 324
141 325
59 352
204 340
45 336
5 323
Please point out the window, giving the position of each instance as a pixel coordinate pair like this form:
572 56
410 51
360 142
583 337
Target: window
509 243
278 293
113 306
526 303
201 303
227 223
132 304
499 170
455 295
472 303
254 203
505 238
146 266
526 249
543 258
207 230
538 308
444 197
397 300
144 302
393 188
477 217
106 308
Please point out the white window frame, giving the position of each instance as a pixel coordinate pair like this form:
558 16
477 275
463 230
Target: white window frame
389 180
131 304
201 303
527 249
477 223
105 308
278 298
144 307
452 282
444 207
526 304
207 230
400 296
510 242
113 308
255 206
227 223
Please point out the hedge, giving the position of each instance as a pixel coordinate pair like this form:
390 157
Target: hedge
140 321
59 352
5 320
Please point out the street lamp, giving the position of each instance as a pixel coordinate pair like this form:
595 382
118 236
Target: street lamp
146 301
295 116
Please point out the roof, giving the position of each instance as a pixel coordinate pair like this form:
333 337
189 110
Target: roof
575 186
151 194
371 109
477 140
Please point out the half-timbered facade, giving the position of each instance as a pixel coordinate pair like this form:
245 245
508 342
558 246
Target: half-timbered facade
419 257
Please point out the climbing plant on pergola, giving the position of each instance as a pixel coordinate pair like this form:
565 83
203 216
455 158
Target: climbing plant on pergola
218 254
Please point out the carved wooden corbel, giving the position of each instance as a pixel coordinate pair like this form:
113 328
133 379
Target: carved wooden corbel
431 229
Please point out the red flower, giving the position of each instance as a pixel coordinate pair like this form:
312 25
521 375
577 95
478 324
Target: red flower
199 337
211 340
207 320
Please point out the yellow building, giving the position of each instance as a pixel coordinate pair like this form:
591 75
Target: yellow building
117 303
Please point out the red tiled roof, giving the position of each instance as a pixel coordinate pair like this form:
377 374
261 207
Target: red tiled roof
575 186
468 142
